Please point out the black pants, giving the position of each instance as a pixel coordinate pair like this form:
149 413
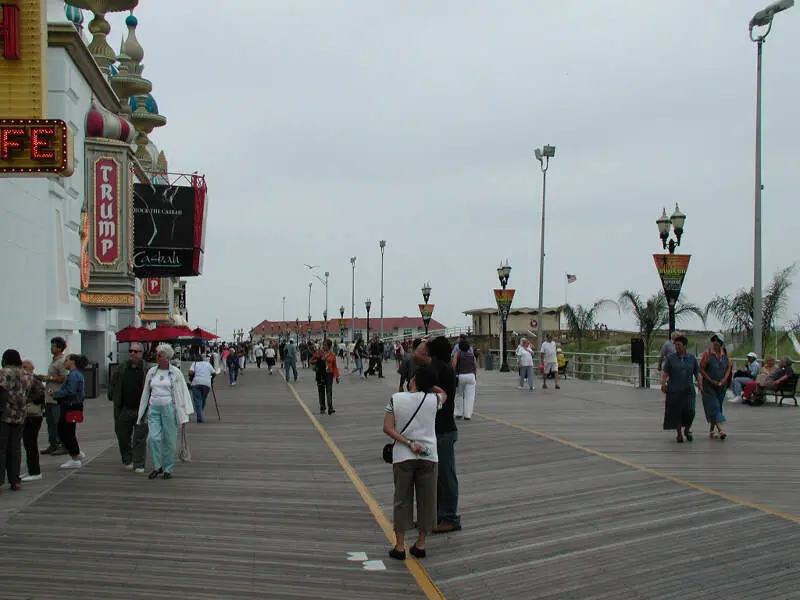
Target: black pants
30 440
375 362
67 433
10 438
126 429
325 390
258 361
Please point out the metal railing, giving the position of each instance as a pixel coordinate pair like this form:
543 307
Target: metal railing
449 332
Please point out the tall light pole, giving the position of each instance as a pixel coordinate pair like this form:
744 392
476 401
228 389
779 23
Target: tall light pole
353 301
543 155
309 303
762 18
283 312
327 274
382 245
426 310
368 305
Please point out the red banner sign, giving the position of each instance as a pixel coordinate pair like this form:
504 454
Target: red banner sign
106 211
504 299
426 310
153 286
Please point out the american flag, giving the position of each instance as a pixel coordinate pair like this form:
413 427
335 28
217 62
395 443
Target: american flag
571 278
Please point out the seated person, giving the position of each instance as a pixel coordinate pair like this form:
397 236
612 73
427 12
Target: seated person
771 382
746 375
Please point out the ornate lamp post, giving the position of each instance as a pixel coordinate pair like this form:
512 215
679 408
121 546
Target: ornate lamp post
426 310
368 305
341 334
671 267
504 297
325 324
297 330
353 299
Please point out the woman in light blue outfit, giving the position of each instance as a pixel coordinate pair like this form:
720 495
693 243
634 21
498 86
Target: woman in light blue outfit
715 368
167 403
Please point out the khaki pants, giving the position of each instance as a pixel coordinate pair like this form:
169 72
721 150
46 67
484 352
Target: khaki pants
410 476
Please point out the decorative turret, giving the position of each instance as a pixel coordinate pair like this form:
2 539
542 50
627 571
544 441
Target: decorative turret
127 81
102 123
100 28
74 16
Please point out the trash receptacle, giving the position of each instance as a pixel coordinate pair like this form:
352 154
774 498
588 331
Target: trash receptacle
90 377
489 361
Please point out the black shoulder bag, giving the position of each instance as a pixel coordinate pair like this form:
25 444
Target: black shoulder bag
388 448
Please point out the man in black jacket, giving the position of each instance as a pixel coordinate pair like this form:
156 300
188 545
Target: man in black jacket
125 391
376 357
437 352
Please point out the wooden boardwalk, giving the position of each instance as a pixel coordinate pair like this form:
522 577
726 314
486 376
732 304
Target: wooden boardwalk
568 494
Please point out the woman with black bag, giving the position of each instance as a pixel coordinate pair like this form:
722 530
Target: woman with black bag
70 403
414 458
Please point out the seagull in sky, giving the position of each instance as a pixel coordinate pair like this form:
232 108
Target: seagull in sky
312 266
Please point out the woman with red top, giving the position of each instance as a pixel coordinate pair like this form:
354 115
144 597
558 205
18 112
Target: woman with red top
327 369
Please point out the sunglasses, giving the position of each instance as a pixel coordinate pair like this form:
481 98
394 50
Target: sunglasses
135 351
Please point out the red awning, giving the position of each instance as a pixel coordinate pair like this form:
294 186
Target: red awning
206 335
159 334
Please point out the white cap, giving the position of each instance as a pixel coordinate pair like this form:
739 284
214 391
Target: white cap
752 355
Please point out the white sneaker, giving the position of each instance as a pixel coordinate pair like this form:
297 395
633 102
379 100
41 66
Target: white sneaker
128 466
519 387
82 455
32 477
72 464
138 470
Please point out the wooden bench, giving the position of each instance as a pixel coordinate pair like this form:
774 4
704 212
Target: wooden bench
788 389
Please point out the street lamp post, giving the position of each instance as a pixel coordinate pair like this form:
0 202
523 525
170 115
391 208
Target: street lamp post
543 155
341 335
426 310
382 245
353 301
297 330
368 305
762 18
325 324
672 267
283 311
504 298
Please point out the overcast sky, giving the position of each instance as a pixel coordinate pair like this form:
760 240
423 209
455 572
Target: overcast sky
324 126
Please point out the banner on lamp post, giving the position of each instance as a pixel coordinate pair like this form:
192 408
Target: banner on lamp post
504 299
426 310
672 271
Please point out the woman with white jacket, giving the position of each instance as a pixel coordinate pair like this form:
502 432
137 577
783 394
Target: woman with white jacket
167 403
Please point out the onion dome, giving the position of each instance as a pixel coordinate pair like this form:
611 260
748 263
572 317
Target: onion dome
102 123
74 15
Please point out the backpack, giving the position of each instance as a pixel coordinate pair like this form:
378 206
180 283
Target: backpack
465 363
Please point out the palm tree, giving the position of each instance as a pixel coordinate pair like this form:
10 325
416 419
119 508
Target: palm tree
653 314
736 311
581 319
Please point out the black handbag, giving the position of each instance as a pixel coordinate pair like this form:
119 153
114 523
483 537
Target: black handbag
389 448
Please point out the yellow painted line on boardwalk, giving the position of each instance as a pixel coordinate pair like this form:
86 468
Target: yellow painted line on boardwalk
422 577
644 469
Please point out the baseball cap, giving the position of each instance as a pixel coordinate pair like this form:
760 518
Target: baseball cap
719 336
752 355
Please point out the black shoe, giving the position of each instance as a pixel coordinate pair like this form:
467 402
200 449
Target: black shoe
689 436
167 475
417 552
49 449
322 410
331 411
155 473
398 554
59 451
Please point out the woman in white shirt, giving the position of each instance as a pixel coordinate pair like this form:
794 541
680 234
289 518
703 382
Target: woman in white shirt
200 374
414 458
525 362
166 401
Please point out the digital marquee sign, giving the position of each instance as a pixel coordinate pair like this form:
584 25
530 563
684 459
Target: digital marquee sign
35 146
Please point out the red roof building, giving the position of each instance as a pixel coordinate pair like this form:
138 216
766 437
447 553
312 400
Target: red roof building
392 326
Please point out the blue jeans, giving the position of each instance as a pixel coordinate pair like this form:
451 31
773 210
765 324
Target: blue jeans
359 366
290 364
739 383
447 483
163 436
199 395
526 373
233 375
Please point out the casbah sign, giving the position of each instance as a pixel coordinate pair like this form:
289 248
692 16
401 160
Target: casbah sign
35 147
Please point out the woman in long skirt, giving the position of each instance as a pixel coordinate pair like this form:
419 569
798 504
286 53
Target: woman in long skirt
715 369
676 382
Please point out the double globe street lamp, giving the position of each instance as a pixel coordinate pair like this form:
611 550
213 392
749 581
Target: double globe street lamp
426 310
504 297
671 267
